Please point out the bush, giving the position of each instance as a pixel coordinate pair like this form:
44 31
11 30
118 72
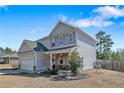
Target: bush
74 62
54 71
63 67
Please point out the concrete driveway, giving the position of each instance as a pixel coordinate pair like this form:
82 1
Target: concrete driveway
9 72
6 69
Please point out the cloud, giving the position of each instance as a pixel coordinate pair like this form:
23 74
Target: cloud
109 12
62 17
96 22
4 7
100 17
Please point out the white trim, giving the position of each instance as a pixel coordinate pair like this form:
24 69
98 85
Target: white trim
59 51
36 60
50 61
70 42
61 40
62 59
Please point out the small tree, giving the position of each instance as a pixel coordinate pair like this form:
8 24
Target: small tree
9 51
74 62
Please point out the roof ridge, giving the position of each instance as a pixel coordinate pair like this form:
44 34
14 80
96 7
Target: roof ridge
28 40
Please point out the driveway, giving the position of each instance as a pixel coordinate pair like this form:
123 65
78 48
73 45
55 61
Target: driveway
5 66
9 72
6 69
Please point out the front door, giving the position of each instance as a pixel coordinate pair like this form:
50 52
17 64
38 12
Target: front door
61 60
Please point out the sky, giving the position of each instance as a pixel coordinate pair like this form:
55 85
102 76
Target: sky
34 22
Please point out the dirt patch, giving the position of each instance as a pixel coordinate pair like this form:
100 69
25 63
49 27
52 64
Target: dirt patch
99 79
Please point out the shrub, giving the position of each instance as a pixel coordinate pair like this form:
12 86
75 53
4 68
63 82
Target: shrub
74 62
54 71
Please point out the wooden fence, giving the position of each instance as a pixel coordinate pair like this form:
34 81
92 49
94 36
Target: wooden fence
110 65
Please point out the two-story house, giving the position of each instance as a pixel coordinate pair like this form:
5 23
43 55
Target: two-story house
55 48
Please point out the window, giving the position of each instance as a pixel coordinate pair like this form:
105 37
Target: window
61 40
56 41
70 38
61 60
53 42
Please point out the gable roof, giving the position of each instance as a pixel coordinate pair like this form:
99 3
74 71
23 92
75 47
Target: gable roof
58 23
42 38
31 44
74 27
35 46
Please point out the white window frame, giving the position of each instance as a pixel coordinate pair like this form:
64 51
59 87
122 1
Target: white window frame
70 40
53 41
61 58
61 40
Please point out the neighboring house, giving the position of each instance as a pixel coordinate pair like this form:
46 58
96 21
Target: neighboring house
11 59
2 52
55 48
1 60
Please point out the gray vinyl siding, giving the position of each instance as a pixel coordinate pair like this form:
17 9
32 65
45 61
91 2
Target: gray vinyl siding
86 50
43 61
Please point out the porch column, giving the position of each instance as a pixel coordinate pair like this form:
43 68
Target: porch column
50 61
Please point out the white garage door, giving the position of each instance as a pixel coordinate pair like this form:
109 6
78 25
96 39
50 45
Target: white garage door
27 64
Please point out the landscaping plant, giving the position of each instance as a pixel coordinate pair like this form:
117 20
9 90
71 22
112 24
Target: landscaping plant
74 62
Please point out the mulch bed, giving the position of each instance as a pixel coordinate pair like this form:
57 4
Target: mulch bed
65 78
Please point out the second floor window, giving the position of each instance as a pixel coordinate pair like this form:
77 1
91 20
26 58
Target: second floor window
53 42
70 38
61 40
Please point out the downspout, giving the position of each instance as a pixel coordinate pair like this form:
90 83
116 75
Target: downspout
35 62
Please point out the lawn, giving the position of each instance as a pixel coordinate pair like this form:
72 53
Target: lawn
98 79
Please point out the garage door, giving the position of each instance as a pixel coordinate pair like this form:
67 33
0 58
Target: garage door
27 64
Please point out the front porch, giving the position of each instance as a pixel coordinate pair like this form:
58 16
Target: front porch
59 57
60 60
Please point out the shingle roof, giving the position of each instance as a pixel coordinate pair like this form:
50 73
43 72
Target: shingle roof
63 48
43 38
36 46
